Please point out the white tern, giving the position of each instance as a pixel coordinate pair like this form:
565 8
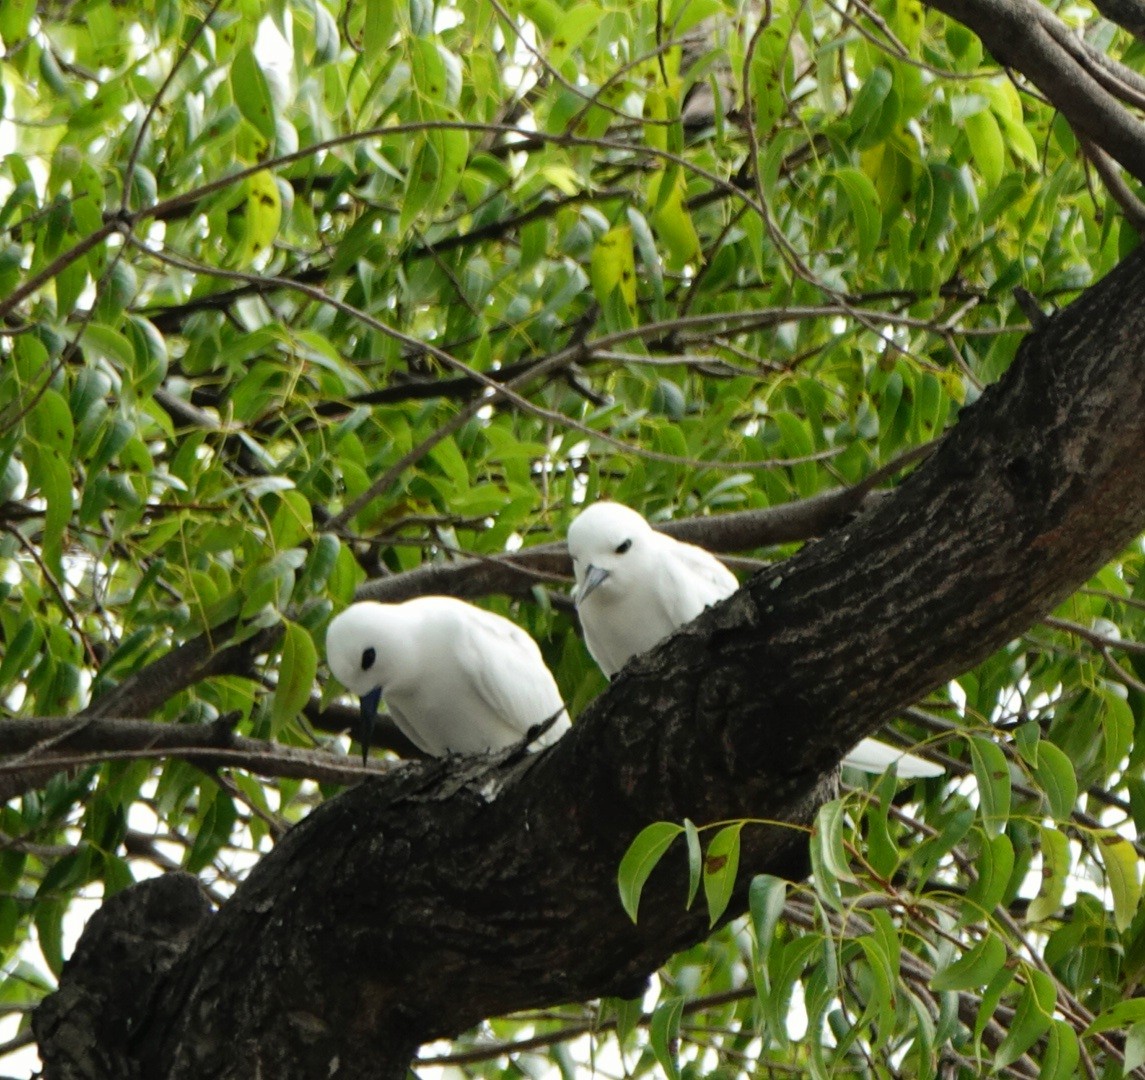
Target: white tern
456 679
636 586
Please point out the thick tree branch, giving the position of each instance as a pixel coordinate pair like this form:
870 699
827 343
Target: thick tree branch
456 890
1127 13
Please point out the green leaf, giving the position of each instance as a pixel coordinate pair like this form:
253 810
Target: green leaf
995 865
828 838
1055 776
964 44
767 897
875 108
973 969
1055 874
720 868
110 344
640 860
215 824
664 1034
1062 1052
49 919
70 283
22 647
1134 1048
296 675
435 174
434 70
451 461
769 63
1117 726
50 423
993 775
1121 1015
68 872
252 93
575 26
1031 1020
695 859
865 211
56 488
293 522
990 998
628 1014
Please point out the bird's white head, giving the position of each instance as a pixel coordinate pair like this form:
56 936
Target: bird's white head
608 543
364 645
359 644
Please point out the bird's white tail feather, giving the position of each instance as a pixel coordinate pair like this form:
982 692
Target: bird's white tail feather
872 756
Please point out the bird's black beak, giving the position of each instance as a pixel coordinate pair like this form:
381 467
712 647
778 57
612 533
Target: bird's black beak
369 704
593 577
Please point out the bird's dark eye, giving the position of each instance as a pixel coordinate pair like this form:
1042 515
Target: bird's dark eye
622 548
368 658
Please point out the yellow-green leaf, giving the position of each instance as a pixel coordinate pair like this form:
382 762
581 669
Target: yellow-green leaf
613 266
986 145
1120 860
381 19
262 216
15 18
671 219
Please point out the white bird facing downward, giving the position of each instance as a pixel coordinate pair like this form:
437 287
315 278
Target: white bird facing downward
456 679
636 586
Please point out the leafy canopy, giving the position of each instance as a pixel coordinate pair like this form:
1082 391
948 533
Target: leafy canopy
297 295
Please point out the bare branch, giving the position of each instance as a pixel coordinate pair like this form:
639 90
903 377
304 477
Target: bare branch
58 743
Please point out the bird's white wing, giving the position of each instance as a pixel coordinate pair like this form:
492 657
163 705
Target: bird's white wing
412 731
693 579
872 756
506 671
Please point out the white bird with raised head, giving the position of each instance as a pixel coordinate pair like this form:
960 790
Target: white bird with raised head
635 586
456 679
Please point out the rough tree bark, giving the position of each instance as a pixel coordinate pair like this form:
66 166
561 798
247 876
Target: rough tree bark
413 906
